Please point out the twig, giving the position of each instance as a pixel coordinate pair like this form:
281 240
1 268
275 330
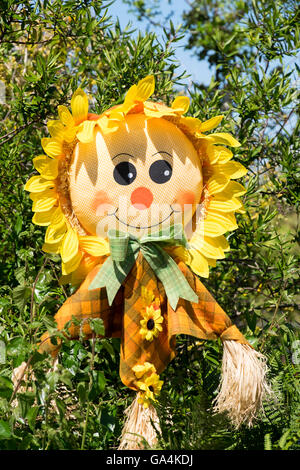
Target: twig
33 288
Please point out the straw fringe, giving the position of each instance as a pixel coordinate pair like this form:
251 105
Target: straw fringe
243 386
142 424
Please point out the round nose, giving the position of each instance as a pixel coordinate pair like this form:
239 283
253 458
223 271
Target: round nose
141 198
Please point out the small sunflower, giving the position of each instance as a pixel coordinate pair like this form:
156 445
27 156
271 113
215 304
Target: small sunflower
151 323
150 388
141 370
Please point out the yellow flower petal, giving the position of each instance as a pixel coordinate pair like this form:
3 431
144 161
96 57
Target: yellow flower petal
65 116
232 170
80 106
44 201
56 129
95 246
43 218
181 104
218 153
142 369
210 124
53 248
224 138
70 134
72 265
47 167
234 189
55 233
131 94
145 88
156 110
70 245
86 131
58 218
107 125
217 223
37 184
193 124
198 263
52 147
209 247
220 202
217 183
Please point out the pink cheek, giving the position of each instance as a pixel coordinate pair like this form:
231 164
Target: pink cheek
185 198
101 203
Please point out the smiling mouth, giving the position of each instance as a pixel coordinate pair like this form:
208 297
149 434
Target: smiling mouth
146 227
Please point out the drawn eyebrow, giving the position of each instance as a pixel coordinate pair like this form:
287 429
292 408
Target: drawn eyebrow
162 151
123 153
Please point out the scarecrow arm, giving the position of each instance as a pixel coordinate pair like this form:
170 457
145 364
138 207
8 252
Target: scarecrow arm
82 306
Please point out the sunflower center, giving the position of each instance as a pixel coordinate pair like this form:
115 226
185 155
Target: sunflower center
150 324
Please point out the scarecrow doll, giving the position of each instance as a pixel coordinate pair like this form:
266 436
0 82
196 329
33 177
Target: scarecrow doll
137 201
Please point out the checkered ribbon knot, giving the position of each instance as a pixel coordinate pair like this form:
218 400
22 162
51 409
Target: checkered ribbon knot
124 250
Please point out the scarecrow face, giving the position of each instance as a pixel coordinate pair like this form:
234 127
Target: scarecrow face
139 179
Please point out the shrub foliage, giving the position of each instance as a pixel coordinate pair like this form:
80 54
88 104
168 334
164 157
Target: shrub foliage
47 50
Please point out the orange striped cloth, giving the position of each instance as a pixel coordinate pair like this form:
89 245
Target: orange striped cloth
205 320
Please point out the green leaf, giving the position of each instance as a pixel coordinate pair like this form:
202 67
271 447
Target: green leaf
6 387
5 432
97 326
108 420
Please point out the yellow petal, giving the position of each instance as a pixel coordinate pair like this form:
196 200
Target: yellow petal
47 167
107 125
80 106
56 129
95 246
181 104
217 223
43 218
209 247
53 248
37 184
145 88
217 183
55 233
70 245
234 189
232 170
65 116
70 134
52 147
44 201
210 124
86 131
220 202
156 110
193 124
72 265
198 263
131 94
58 218
224 138
218 153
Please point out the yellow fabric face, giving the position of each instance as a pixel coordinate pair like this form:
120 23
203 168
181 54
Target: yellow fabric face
145 176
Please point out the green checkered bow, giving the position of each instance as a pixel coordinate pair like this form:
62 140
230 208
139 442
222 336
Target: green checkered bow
124 249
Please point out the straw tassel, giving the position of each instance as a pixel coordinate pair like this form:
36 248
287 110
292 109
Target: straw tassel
243 386
142 425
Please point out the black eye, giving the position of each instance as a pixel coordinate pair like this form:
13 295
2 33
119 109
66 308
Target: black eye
124 173
160 171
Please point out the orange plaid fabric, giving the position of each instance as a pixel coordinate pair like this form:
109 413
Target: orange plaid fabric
204 320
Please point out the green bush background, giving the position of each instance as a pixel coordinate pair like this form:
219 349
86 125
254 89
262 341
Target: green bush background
47 50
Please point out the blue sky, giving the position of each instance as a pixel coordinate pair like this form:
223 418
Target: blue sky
198 70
